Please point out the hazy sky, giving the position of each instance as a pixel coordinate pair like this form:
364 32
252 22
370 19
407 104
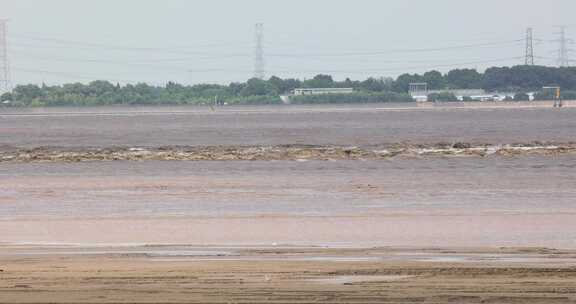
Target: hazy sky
193 41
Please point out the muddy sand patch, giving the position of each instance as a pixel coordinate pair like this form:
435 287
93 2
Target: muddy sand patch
270 153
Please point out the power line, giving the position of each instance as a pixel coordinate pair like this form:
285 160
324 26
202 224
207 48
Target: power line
259 56
416 50
125 47
102 61
140 65
434 63
71 75
181 50
422 67
382 69
209 54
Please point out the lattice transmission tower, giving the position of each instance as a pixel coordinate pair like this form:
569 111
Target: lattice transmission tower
529 60
259 62
5 84
563 51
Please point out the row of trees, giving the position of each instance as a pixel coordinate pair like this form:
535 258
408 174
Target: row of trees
520 78
255 91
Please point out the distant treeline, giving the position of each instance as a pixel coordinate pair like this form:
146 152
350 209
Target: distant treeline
519 79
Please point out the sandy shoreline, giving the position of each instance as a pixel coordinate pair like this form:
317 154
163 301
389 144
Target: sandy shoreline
191 109
291 275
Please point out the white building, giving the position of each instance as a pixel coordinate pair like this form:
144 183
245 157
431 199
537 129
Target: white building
315 91
474 94
322 91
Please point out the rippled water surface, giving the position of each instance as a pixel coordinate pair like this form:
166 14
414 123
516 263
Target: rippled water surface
278 125
492 201
316 188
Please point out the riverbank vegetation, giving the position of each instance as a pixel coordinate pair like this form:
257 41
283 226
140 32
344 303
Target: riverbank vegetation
518 79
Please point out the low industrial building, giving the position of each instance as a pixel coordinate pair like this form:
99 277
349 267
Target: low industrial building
315 91
474 94
322 91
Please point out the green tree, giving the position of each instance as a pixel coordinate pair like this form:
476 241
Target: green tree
258 87
463 79
373 85
283 86
435 80
402 83
320 81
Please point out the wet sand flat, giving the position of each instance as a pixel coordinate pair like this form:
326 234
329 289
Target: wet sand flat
113 278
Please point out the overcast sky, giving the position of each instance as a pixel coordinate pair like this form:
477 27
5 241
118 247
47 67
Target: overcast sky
196 41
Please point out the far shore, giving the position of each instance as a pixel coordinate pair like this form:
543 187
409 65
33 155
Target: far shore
168 108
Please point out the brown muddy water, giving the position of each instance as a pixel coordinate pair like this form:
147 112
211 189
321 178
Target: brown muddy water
411 229
517 200
494 201
524 185
281 125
